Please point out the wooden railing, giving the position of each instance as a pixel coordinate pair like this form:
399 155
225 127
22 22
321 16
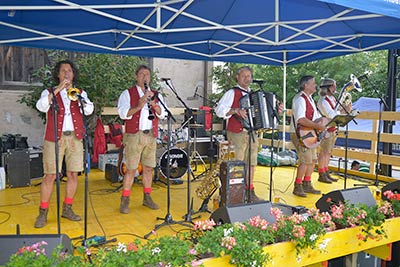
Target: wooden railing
368 155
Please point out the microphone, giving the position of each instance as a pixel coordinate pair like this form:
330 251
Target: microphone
365 75
165 79
258 81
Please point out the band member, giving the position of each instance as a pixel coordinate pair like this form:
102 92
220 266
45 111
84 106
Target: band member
304 114
229 108
140 108
326 105
70 132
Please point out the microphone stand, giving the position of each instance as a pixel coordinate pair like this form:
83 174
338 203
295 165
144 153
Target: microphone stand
187 216
86 169
55 109
168 220
270 107
382 104
346 134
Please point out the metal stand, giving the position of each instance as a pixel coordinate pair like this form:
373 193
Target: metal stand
195 155
168 220
55 109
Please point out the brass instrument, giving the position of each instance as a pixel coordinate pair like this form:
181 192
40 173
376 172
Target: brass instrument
212 181
151 115
344 95
73 93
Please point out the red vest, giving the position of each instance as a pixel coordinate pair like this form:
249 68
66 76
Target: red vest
76 118
132 125
333 128
309 108
234 124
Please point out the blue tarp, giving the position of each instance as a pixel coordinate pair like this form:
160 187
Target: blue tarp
279 32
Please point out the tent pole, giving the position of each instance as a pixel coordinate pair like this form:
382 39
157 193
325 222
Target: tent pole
284 102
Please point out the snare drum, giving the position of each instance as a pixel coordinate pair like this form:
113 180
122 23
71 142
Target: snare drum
178 163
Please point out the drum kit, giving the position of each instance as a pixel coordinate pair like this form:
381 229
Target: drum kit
178 156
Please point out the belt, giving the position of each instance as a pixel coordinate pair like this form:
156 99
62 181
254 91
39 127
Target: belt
67 133
146 131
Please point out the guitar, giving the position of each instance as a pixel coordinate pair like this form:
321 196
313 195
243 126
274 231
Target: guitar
309 137
122 165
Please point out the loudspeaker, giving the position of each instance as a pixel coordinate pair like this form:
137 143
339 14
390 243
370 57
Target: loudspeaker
352 196
16 165
393 186
36 163
111 173
233 190
243 213
9 244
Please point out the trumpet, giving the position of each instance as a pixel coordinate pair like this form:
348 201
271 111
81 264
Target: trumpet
344 95
73 93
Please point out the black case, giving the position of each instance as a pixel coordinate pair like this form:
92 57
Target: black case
17 167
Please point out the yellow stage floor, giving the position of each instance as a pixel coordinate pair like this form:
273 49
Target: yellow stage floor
19 206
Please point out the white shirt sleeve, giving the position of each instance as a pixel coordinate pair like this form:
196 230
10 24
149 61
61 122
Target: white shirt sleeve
124 104
225 104
88 106
43 104
326 108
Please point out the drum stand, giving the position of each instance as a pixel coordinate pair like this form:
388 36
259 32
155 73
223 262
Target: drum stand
195 155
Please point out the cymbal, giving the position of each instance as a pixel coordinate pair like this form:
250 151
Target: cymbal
196 125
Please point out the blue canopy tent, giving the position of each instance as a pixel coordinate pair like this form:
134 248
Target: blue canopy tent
279 32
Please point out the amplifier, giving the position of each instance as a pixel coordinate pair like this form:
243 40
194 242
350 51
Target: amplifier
233 190
111 173
35 163
16 165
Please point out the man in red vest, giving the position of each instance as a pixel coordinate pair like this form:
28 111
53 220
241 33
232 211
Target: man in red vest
229 108
70 132
328 107
304 114
140 108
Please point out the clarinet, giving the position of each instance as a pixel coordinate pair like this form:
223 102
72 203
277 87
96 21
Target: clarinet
151 115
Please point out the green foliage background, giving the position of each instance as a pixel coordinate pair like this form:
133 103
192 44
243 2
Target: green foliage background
338 68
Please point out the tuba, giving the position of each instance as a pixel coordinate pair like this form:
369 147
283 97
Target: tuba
73 93
344 95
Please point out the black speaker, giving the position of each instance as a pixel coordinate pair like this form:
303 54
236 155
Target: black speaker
243 213
9 244
393 186
111 173
16 165
352 196
36 163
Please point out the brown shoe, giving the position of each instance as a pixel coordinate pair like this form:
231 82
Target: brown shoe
69 214
323 178
41 220
298 190
331 178
308 188
148 202
254 198
124 206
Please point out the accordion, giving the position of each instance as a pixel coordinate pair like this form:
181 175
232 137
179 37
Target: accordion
260 108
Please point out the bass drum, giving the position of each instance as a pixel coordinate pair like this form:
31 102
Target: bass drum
178 163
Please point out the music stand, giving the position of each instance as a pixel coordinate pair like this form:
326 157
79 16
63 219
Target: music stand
342 120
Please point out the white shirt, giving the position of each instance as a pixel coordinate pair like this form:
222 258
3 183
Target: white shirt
225 103
43 105
124 104
299 109
326 108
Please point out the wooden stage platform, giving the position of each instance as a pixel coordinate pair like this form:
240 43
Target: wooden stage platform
19 206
